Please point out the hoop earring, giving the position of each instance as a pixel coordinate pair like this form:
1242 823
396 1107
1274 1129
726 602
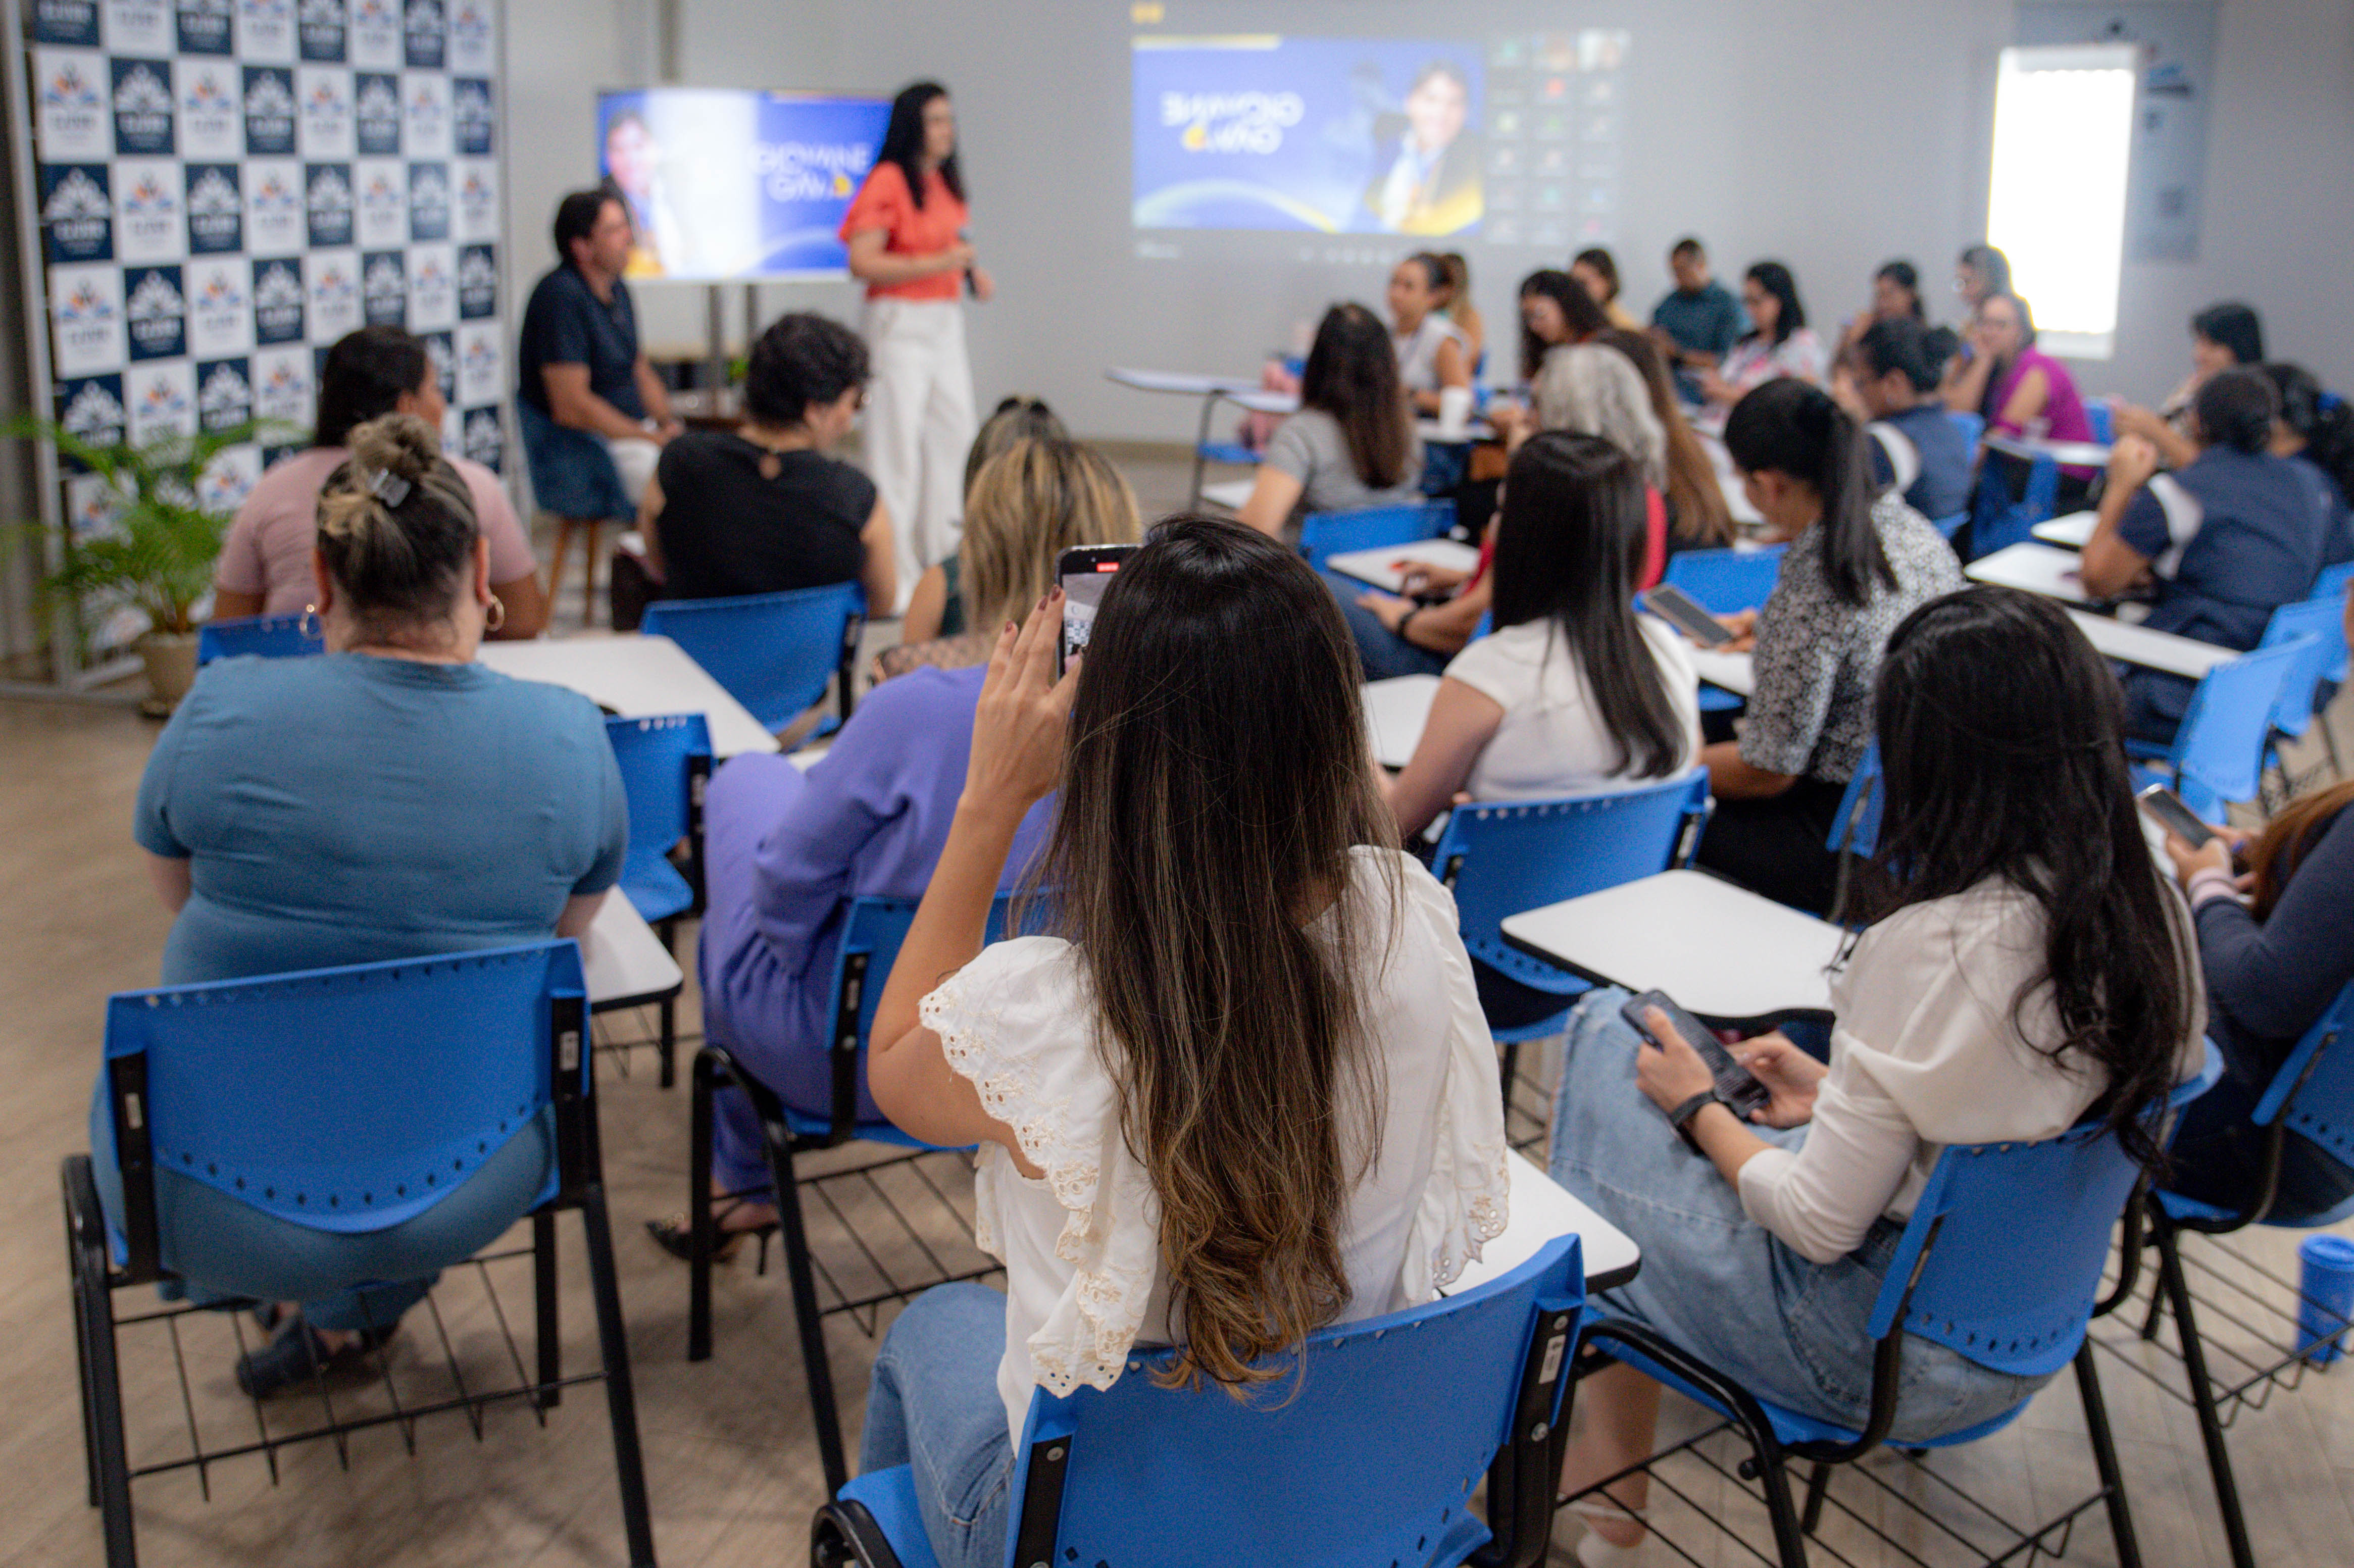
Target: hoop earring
495 614
307 623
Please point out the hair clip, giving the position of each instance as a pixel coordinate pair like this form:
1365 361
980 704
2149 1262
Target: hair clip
388 487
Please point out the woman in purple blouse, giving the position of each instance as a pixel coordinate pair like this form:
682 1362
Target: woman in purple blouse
786 852
2024 391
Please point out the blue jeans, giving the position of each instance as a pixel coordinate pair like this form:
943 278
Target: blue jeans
1382 652
1721 1287
933 1403
572 474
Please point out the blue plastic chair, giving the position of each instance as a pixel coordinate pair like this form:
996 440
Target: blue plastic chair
391 1082
665 764
2312 1094
2000 1263
774 652
1725 582
872 931
2331 581
1356 1460
2103 424
1323 535
265 636
1855 832
2218 753
2320 625
1972 426
1951 527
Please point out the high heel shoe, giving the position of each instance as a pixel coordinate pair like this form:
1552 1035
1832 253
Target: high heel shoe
675 1235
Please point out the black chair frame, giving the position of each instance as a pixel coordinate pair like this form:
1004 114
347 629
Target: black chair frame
95 1278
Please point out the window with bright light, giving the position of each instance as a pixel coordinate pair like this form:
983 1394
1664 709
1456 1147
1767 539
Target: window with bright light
2063 136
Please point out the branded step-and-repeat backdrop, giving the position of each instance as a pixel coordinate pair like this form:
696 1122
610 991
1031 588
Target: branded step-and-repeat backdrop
225 187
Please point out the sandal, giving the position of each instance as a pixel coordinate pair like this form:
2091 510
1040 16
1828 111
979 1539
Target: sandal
675 1235
299 1355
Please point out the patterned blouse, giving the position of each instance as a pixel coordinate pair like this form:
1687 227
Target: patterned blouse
1817 655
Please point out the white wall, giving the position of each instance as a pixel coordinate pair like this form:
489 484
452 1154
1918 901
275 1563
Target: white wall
1833 135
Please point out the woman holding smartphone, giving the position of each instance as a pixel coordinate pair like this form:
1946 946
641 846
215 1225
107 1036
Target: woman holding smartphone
1255 1124
2028 966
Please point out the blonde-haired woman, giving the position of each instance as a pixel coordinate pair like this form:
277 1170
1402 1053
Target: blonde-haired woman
937 607
1029 503
389 800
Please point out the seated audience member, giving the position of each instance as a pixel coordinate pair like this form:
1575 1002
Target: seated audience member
1352 443
1461 310
2222 337
1779 342
1855 567
1916 446
2027 969
1574 691
389 800
1895 296
1419 632
1249 1064
1596 271
2323 437
1433 353
767 508
1698 516
1038 498
1698 322
1980 270
2225 540
2024 391
265 562
937 608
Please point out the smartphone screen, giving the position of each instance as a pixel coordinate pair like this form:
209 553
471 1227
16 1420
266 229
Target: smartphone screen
2166 807
1085 573
1738 1086
1683 612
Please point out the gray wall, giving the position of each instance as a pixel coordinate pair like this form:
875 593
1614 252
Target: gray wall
1832 134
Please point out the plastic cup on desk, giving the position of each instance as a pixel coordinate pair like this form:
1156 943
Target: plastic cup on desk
1454 413
2325 1296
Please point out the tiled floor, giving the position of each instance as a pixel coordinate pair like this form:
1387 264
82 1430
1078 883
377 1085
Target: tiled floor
732 1465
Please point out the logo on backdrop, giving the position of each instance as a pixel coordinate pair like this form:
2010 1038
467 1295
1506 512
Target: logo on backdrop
478 202
327 199
277 300
469 110
327 111
77 215
471 46
335 293
376 110
432 292
215 210
383 290
149 223
220 312
425 35
71 110
269 111
86 318
426 116
66 22
212 106
319 27
139 27
484 444
445 362
157 313
273 208
383 199
481 367
207 26
143 107
428 201
161 400
229 478
376 34
91 408
282 386
266 29
224 395
478 284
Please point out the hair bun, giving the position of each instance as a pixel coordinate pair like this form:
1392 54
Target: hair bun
401 445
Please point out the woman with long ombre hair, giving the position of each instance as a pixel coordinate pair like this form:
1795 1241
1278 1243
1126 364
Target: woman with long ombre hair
1243 1091
1353 443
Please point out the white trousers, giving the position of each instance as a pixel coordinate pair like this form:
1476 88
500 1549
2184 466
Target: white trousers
919 425
634 461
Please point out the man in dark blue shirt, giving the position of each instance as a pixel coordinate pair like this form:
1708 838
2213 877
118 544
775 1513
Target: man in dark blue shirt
594 415
1698 324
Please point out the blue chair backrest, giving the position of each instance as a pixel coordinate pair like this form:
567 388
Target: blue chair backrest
1972 426
1355 1460
2319 1075
2104 426
1323 535
2218 751
268 636
665 761
1502 858
389 1083
2321 622
871 935
2017 1234
1857 826
1726 581
2331 582
1951 527
774 652
1996 520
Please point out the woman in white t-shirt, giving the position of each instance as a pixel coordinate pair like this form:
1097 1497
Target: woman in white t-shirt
1225 1132
1574 691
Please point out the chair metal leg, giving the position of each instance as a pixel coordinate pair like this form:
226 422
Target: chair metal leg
2202 1393
1510 1070
1774 1479
698 1208
1818 1484
2104 1457
93 1306
542 1288
81 1359
668 1044
589 574
816 1368
620 1397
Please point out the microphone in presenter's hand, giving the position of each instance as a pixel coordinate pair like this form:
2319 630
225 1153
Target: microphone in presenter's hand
964 236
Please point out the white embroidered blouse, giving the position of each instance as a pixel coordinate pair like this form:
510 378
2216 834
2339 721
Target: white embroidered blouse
1082 1248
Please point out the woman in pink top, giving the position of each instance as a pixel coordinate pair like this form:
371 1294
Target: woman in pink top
265 562
2028 393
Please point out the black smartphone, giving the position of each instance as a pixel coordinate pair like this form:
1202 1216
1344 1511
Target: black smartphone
1084 573
1685 613
2166 807
1736 1084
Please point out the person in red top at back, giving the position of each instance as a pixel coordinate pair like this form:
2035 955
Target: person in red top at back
906 230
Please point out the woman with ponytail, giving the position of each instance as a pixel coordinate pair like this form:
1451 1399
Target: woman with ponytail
392 799
1855 567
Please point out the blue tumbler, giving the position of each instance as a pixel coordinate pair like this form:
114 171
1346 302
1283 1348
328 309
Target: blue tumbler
2325 1296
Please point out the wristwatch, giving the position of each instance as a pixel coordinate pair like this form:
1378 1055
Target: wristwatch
1680 1117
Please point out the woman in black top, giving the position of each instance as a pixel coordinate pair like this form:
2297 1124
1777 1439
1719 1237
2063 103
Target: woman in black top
764 509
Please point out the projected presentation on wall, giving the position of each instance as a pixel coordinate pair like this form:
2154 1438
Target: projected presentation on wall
732 185
1502 138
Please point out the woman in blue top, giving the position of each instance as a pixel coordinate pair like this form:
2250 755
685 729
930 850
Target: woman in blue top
1915 447
389 800
2224 541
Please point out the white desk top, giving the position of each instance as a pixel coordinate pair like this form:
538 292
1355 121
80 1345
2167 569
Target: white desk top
2038 569
1729 956
1380 568
2067 454
2152 650
1542 1209
1396 710
1229 494
2072 531
636 677
1184 382
1731 671
1260 401
626 964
